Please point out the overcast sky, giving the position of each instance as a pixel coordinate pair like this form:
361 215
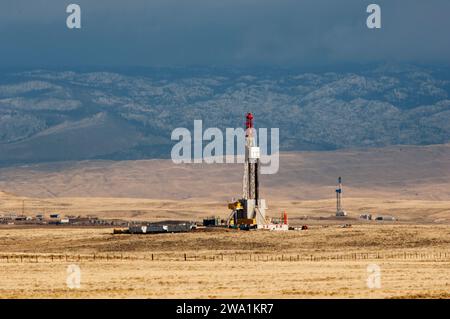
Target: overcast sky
33 33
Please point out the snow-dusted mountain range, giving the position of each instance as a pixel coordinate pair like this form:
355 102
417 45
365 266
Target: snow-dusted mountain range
48 115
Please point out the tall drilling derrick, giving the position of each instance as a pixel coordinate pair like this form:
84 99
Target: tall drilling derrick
250 187
250 210
339 211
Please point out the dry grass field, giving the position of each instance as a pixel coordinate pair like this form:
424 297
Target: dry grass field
326 261
322 262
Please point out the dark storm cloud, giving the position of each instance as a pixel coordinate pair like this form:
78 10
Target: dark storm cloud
226 32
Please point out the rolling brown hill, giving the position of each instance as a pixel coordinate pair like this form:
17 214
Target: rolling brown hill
401 172
89 137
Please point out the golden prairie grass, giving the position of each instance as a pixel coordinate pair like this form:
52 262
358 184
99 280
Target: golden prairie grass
420 276
166 279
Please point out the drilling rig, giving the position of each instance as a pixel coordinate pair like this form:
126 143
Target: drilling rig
249 212
339 211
